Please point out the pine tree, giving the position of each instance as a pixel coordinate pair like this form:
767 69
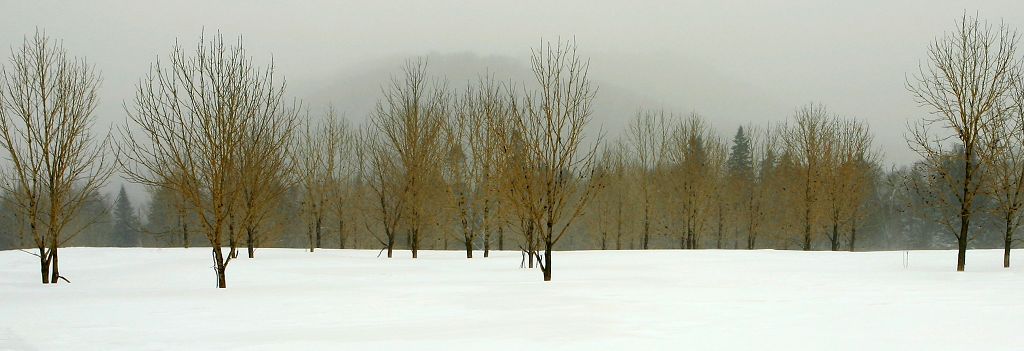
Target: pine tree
126 223
740 163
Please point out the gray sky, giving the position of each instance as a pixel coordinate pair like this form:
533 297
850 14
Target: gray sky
734 62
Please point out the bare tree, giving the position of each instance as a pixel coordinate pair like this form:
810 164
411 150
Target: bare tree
850 163
264 171
520 182
410 118
775 181
810 140
315 166
345 180
551 129
969 71
491 106
187 129
756 199
717 156
858 166
693 175
47 100
459 167
648 135
469 168
612 203
378 169
1007 168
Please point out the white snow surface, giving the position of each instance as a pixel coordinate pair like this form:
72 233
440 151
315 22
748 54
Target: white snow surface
290 299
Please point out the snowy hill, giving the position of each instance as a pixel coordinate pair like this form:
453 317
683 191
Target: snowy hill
152 299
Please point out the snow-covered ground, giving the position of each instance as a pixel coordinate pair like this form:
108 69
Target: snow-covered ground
142 299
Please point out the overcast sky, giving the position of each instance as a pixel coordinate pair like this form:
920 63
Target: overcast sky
734 62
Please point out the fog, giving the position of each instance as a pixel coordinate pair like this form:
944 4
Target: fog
734 62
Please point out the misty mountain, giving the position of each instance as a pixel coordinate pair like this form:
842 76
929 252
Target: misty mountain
667 81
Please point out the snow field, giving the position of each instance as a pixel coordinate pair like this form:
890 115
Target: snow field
289 299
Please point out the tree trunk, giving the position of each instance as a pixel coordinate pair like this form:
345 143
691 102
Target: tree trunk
618 231
319 226
751 235
618 225
487 230
686 238
232 244
531 245
807 231
961 241
309 235
55 267
647 235
501 238
965 213
414 242
1008 242
44 265
693 238
341 234
718 243
853 233
391 244
835 236
487 245
467 235
250 243
184 233
546 266
219 267
647 222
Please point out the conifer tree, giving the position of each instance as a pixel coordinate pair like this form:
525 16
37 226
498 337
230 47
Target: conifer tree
126 222
740 163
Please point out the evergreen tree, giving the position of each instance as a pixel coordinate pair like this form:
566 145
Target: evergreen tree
126 222
740 163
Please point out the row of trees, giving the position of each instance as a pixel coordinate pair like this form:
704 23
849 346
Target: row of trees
227 157
470 162
675 178
212 133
